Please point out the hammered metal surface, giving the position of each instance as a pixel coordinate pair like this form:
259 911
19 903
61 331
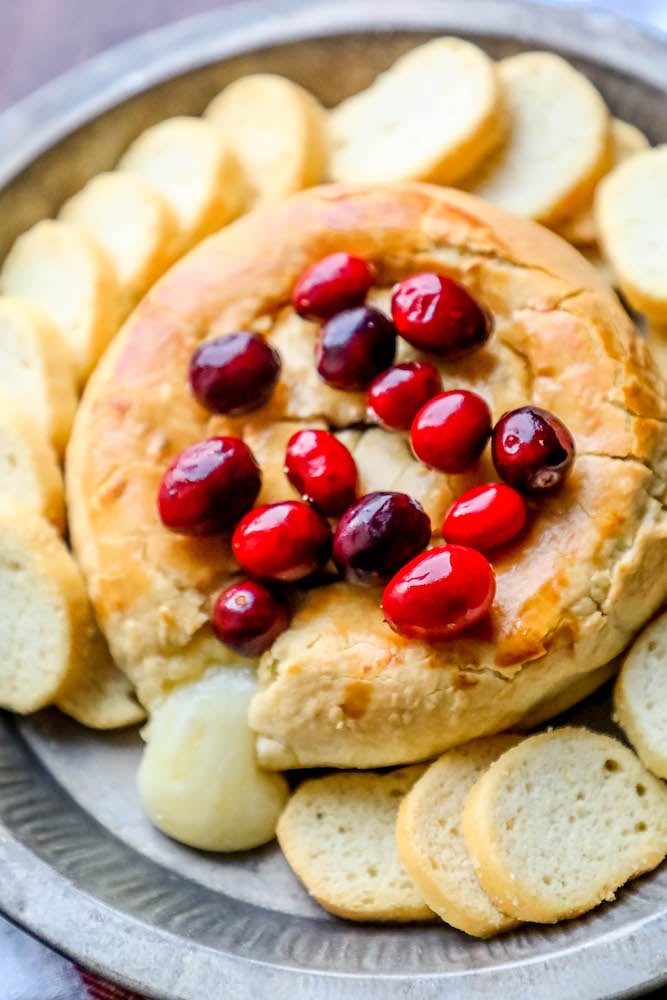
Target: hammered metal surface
79 863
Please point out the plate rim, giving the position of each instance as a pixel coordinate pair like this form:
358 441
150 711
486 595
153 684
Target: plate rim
37 897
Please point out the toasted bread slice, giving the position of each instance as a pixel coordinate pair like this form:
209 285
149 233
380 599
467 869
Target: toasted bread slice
48 626
29 470
338 835
101 697
431 845
433 116
561 821
640 698
196 171
35 366
558 146
134 223
67 274
581 229
656 339
631 214
278 132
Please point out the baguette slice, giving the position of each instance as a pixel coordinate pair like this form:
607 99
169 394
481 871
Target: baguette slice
194 169
558 146
101 696
656 339
433 116
134 223
431 845
631 214
48 626
29 470
581 229
561 821
338 835
35 366
640 698
63 270
278 132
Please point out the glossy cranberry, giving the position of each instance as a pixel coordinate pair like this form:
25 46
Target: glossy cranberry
450 431
248 616
397 395
532 449
323 471
333 283
437 314
439 593
485 517
234 373
378 535
282 541
354 347
209 486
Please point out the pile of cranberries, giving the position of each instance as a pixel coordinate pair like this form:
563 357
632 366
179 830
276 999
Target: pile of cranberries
380 539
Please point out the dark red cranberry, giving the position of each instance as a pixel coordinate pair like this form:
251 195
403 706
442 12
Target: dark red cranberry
485 517
450 431
323 471
532 449
282 541
435 313
234 373
354 347
209 486
378 535
439 593
248 616
397 395
333 283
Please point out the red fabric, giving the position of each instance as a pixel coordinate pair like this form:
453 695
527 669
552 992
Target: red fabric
98 989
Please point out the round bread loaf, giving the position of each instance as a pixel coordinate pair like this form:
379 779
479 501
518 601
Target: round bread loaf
339 687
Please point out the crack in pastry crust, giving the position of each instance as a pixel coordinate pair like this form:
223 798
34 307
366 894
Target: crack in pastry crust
588 572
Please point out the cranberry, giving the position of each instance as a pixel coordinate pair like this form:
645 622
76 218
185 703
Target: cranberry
532 449
248 616
436 314
450 431
331 284
209 486
234 373
354 347
485 517
282 541
322 470
396 395
439 593
378 535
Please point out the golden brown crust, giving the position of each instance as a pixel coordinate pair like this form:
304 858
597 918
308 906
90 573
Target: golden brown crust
589 571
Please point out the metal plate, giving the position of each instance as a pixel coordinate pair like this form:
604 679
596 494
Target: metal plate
79 864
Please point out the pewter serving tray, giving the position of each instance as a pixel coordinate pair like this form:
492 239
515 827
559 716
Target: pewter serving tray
80 866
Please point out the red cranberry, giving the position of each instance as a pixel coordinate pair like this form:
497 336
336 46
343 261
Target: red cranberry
333 283
436 314
450 431
209 486
234 373
532 449
248 616
439 593
378 535
396 396
282 541
485 517
354 347
322 470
